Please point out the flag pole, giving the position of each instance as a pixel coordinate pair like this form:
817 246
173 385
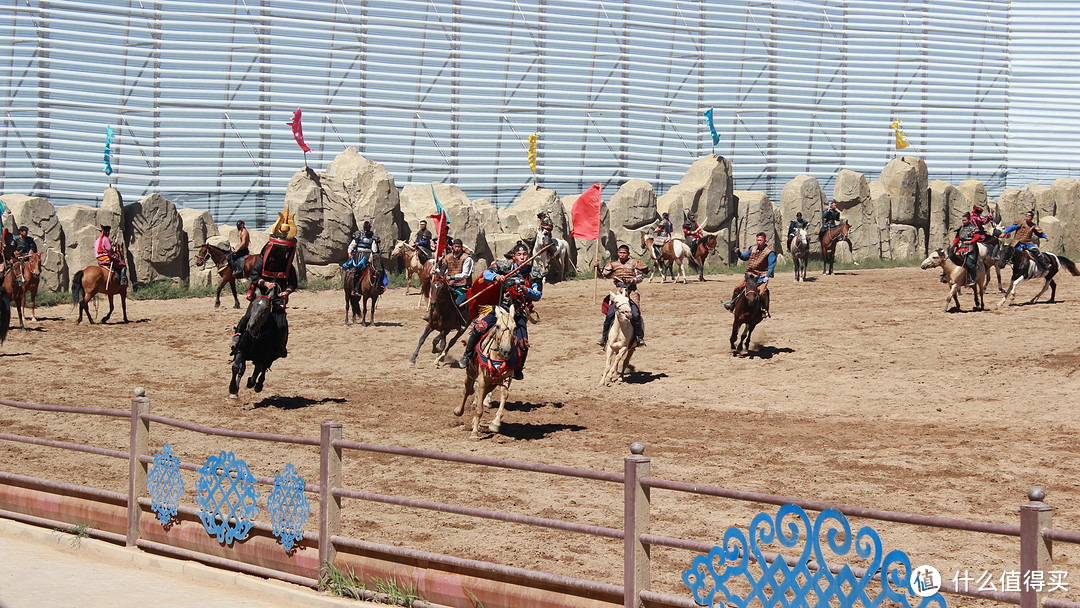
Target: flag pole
596 270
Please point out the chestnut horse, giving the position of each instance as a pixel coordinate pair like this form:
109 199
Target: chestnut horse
370 290
490 368
31 274
91 281
829 240
407 253
747 310
443 317
225 270
29 270
704 248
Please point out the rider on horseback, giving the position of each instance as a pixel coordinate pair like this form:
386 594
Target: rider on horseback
662 231
519 286
761 261
627 274
364 250
274 267
1024 231
457 267
979 219
546 226
829 219
236 258
422 241
24 245
797 224
967 235
692 232
108 256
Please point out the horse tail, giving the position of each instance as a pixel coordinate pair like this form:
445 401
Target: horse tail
77 292
1068 264
5 314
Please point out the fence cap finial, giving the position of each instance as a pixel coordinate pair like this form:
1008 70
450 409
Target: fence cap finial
140 391
1036 494
637 448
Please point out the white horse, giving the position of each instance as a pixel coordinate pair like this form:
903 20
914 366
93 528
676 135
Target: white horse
674 251
957 274
556 254
620 338
799 247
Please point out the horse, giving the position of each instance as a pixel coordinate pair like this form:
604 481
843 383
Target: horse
704 248
799 247
370 290
444 316
671 252
5 308
990 252
620 338
91 281
748 311
829 239
260 343
1023 268
490 368
553 257
407 253
15 290
225 270
957 273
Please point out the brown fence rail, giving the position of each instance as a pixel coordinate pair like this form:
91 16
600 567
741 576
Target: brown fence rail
506 583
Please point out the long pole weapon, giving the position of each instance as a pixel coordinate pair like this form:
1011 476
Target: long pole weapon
518 267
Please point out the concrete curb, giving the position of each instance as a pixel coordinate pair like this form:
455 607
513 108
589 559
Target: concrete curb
191 570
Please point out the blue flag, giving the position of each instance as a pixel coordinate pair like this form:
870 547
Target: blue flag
108 150
712 129
438 205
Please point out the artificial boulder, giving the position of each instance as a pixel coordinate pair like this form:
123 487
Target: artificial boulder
1054 230
1067 202
632 209
521 217
466 218
1044 200
368 189
1014 203
869 224
39 217
324 224
157 247
904 242
706 190
905 178
947 205
80 226
757 214
198 227
804 194
850 189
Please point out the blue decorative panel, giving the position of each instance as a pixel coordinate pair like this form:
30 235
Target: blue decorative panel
227 498
165 485
741 580
288 507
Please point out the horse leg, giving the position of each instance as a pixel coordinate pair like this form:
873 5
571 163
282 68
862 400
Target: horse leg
496 424
605 378
260 374
105 319
33 304
481 396
448 345
427 330
744 344
236 299
237 374
1011 291
470 387
123 305
217 294
1046 284
734 337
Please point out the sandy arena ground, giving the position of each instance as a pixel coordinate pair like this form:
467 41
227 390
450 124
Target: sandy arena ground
861 391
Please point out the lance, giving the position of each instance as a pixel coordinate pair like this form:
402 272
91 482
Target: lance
518 267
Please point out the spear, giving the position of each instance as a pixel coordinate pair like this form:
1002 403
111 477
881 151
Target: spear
516 268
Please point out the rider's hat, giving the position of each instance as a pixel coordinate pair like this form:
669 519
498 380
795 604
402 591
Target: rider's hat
519 247
977 208
1031 213
457 242
22 229
106 228
664 215
367 225
423 222
798 214
239 223
624 248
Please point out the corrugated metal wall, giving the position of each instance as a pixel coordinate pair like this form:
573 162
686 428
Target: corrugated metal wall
199 92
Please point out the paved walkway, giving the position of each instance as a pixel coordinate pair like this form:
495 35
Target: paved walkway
44 568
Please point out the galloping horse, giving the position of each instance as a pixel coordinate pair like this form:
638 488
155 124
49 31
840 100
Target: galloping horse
672 252
705 247
443 317
493 366
370 289
990 254
957 274
225 270
556 255
260 343
407 253
1024 268
799 247
829 240
748 312
91 281
620 338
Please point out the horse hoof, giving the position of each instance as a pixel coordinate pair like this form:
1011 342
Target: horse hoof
237 305
494 428
233 396
258 387
459 411
251 382
217 304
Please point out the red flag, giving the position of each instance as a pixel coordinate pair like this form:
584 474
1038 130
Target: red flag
440 233
585 214
298 131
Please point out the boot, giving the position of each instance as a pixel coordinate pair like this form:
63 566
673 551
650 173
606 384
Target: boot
608 320
470 348
639 331
521 366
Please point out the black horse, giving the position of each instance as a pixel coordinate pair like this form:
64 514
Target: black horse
444 316
1024 268
261 341
748 310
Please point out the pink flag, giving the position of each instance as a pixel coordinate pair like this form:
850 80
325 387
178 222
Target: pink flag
585 214
298 131
440 233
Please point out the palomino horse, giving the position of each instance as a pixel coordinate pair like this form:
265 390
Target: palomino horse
443 317
407 253
553 258
705 247
620 338
370 290
225 270
490 368
956 272
829 240
674 251
1023 268
260 343
748 311
799 247
91 281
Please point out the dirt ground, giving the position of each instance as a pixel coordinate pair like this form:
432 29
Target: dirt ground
860 391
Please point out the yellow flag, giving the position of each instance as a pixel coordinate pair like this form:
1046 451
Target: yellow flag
532 152
901 140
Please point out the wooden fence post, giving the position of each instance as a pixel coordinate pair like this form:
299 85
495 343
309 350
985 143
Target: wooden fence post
329 505
140 444
635 522
1036 553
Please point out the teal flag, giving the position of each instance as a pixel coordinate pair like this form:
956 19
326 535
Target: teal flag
438 205
108 150
712 129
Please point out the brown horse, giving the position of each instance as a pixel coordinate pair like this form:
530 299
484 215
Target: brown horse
91 281
748 309
225 270
829 239
370 290
704 248
31 274
443 317
407 253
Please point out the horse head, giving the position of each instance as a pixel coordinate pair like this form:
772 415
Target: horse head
621 302
400 249
935 259
260 311
502 334
204 251
33 264
750 292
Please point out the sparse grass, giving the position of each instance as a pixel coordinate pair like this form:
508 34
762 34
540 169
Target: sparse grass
77 532
396 592
345 583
